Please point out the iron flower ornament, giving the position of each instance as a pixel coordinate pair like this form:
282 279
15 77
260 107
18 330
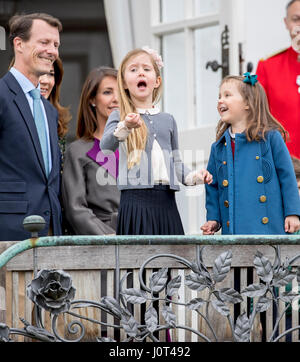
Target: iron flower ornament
52 290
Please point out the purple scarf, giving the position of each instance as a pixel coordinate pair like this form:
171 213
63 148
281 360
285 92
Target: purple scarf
110 162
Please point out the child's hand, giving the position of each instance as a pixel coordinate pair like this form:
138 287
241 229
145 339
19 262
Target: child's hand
203 176
133 120
210 227
291 224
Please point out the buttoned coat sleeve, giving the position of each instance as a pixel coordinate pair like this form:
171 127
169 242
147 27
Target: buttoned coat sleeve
212 191
78 213
286 175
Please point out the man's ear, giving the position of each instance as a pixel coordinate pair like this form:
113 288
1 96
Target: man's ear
18 44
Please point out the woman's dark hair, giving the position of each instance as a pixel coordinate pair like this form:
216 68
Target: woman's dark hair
64 115
86 116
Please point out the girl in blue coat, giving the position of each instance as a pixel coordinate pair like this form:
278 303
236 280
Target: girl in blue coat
254 189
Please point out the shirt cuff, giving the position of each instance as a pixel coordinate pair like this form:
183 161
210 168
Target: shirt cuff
122 132
193 179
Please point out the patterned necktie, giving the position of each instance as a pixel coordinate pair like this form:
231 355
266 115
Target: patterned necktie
40 125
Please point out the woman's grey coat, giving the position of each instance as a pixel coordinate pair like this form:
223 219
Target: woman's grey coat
89 192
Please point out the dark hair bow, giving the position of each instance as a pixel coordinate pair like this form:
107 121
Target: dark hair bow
250 79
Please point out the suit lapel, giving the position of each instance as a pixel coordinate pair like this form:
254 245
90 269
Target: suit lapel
25 111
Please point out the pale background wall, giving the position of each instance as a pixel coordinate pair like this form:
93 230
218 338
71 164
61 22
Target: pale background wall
265 31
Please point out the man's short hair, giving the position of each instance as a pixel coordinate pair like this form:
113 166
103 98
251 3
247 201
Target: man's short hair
290 3
20 25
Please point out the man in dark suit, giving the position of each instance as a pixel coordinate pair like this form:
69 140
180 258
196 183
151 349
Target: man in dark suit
29 164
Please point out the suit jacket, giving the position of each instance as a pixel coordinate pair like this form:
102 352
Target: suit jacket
253 193
24 188
278 75
90 194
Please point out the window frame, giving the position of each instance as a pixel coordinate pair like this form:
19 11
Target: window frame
188 26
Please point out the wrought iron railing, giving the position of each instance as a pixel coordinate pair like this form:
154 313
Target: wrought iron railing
52 290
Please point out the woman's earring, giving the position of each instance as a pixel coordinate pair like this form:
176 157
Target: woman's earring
93 105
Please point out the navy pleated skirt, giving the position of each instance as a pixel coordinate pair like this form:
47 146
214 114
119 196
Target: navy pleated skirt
149 212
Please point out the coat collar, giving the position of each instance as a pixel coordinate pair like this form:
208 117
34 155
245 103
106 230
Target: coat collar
226 136
151 111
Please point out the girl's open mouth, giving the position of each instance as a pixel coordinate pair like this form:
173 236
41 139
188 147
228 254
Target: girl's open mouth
223 109
142 84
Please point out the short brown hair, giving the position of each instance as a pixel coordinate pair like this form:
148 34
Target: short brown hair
20 25
290 3
296 164
86 117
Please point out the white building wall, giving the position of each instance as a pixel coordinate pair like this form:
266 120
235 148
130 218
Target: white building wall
265 31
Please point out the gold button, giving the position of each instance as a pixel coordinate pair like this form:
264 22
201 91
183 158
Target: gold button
225 144
226 203
265 220
260 179
225 183
257 157
263 198
224 163
228 223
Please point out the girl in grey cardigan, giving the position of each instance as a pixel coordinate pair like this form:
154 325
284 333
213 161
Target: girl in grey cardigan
150 167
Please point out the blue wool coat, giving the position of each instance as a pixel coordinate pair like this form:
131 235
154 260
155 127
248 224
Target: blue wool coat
253 193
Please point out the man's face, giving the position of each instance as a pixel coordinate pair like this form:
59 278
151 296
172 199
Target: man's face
37 54
292 19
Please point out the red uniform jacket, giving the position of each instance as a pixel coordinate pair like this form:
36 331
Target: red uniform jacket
278 75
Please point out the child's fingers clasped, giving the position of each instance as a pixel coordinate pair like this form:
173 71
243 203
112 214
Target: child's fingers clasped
210 227
292 224
205 176
133 120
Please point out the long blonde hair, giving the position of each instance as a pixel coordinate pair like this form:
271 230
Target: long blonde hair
136 141
260 120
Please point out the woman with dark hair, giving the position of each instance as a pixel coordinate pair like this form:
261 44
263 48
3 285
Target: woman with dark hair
50 85
89 191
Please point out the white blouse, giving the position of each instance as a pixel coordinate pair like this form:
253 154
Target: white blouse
159 169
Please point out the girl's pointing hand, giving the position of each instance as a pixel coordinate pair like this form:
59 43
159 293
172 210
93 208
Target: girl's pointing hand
133 120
